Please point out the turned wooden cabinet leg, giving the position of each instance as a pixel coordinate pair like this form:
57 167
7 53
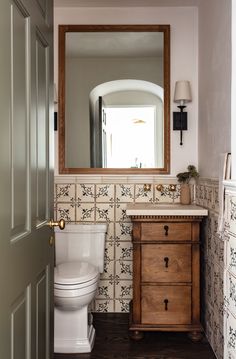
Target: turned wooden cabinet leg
136 335
195 336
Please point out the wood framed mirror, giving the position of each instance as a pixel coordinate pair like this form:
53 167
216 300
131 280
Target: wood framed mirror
114 99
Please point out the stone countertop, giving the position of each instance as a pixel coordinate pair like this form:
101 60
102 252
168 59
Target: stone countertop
162 209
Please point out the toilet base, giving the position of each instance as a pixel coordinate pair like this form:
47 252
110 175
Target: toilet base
74 345
72 332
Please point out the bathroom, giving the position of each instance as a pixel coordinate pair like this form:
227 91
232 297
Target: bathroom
197 57
194 60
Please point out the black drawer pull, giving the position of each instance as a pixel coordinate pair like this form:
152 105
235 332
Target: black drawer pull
166 260
166 304
166 228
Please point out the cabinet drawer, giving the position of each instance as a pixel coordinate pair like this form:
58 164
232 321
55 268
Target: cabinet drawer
166 231
166 305
166 263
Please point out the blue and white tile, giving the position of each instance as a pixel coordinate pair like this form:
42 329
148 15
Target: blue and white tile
105 193
85 212
123 231
142 195
124 269
65 211
104 212
124 193
65 192
85 192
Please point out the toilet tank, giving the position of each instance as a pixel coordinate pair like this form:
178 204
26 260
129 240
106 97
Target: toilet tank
81 242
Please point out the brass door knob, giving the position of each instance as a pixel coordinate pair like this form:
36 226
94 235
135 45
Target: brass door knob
61 223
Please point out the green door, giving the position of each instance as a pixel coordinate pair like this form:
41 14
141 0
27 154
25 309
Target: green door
26 192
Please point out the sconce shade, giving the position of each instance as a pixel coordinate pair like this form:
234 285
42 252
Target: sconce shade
182 92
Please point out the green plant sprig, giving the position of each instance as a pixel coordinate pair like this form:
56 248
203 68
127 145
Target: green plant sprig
185 177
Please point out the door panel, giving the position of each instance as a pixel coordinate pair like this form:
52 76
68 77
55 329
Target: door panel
26 181
19 121
42 68
42 316
20 326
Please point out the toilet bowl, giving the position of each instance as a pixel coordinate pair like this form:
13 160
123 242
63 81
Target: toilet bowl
75 284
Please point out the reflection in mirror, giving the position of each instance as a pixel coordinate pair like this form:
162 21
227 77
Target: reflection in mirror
114 99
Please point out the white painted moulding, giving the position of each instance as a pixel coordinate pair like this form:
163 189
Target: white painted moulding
165 209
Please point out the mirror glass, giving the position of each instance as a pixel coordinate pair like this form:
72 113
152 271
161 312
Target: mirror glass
113 99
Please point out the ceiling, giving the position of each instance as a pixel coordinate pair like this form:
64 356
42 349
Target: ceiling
124 3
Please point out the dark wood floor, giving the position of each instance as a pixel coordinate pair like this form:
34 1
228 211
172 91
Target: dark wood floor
113 342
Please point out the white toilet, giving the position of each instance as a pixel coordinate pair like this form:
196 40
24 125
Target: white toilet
80 252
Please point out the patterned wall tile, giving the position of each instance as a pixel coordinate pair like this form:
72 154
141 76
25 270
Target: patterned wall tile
65 211
85 192
104 305
232 218
105 193
85 212
65 192
109 251
105 290
124 269
109 267
124 290
231 292
124 193
123 231
104 212
230 337
215 205
110 231
165 195
231 254
141 195
120 213
124 251
122 306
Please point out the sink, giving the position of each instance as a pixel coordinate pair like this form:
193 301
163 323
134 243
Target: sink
168 209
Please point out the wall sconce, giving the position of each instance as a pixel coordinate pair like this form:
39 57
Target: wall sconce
182 95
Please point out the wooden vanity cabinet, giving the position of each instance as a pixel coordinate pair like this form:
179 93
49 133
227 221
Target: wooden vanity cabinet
166 275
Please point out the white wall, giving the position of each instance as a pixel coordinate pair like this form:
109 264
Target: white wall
214 84
184 58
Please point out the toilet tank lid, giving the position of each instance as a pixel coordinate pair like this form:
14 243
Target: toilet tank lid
74 272
83 228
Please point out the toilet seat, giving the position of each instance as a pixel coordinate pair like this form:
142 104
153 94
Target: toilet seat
75 275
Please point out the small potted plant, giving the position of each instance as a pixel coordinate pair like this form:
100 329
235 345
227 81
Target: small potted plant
184 178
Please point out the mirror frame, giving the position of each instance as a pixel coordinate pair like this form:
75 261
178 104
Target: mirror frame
63 29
